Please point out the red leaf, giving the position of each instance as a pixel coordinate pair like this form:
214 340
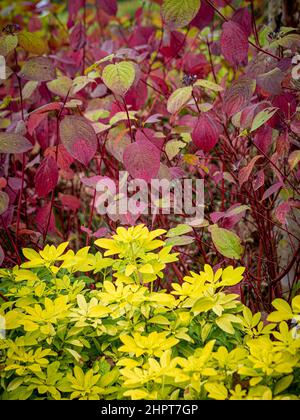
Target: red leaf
70 202
243 18
263 138
238 95
42 218
272 190
74 7
77 38
245 172
206 132
137 96
2 256
234 44
161 84
282 211
38 115
46 177
196 64
204 16
100 233
64 159
142 160
110 7
79 138
259 180
149 135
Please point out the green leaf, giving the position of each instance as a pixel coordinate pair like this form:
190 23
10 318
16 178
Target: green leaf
29 88
216 391
178 99
14 143
119 77
181 229
282 306
74 353
173 147
180 240
262 117
283 384
226 242
296 304
203 305
14 384
208 85
159 319
283 313
7 44
179 13
60 86
225 324
32 43
122 116
80 82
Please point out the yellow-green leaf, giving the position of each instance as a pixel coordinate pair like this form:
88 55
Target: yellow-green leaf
283 384
119 77
60 86
226 242
208 85
178 99
7 44
179 13
216 391
32 43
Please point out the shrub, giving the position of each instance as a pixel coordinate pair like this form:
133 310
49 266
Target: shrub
88 326
161 89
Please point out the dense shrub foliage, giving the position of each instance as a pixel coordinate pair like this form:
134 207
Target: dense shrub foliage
164 90
86 326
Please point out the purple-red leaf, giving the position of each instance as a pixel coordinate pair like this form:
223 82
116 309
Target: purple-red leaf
110 7
206 132
234 44
42 219
46 177
282 211
2 256
70 202
243 18
204 16
142 160
79 138
38 115
259 180
272 190
245 172
238 95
